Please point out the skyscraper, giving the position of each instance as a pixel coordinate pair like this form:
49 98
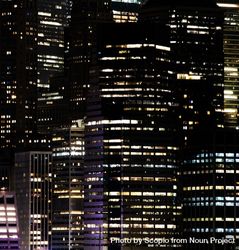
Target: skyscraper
52 19
33 193
68 191
145 94
210 183
18 73
18 81
231 75
81 40
113 193
209 177
195 33
32 50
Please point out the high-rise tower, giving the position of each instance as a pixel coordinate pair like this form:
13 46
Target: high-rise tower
144 90
131 171
68 191
18 73
210 183
81 41
231 56
52 18
196 32
209 175
111 70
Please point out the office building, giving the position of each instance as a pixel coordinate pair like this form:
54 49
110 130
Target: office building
18 73
196 96
32 38
67 199
131 171
80 47
210 190
141 85
18 81
33 192
231 54
9 231
208 150
32 51
195 34
52 18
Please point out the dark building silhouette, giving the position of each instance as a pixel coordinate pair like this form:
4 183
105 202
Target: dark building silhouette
18 73
80 48
31 50
195 34
18 81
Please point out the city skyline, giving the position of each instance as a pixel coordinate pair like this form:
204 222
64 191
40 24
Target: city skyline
119 124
